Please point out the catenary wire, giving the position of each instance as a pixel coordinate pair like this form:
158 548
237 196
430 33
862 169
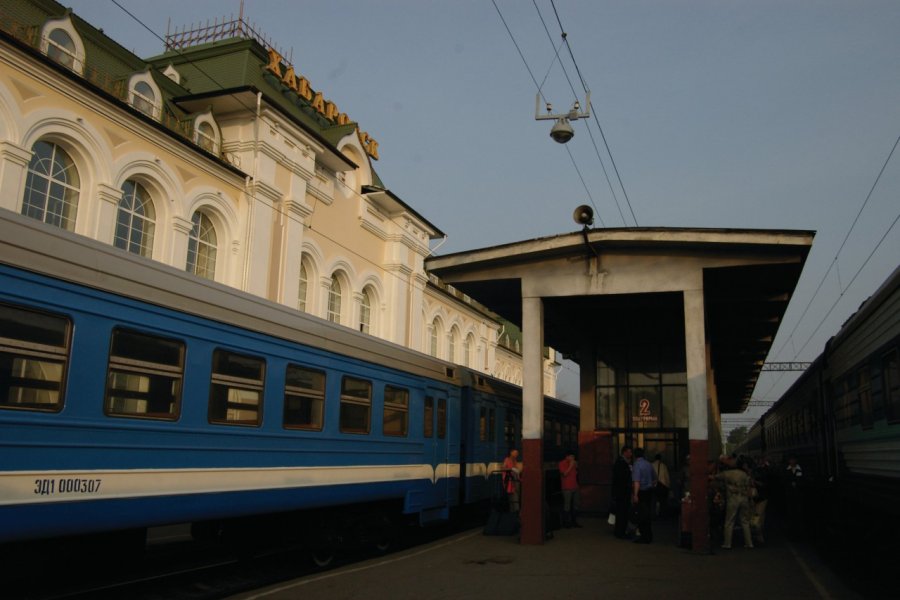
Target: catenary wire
587 127
540 93
838 253
596 119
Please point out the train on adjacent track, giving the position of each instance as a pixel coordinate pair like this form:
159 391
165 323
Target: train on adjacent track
133 394
841 420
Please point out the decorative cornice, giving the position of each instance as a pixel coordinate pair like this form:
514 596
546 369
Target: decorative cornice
319 194
108 193
297 207
182 225
15 154
262 188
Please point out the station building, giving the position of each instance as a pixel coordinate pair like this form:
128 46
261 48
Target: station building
219 157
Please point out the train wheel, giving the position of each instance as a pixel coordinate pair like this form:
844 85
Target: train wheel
323 546
384 534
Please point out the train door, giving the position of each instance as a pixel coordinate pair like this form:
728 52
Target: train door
437 447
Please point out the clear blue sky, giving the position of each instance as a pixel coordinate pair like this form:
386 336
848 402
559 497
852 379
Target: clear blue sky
719 113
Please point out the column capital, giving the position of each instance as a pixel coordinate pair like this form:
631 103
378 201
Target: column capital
108 193
182 225
15 154
297 208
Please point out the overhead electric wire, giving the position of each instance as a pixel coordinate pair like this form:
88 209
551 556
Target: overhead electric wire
838 253
586 190
841 295
540 93
587 127
596 118
836 256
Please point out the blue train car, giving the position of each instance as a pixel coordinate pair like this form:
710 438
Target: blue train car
133 394
200 403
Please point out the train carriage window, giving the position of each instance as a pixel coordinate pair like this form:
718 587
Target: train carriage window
482 424
356 405
396 411
890 369
304 398
557 433
442 418
145 375
510 426
492 425
865 400
34 351
428 430
236 391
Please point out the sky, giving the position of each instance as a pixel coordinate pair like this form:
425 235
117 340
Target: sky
769 114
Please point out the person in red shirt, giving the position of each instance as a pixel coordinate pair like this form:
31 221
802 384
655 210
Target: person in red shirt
568 471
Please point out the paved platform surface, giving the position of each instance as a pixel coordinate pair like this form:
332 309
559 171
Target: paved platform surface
577 563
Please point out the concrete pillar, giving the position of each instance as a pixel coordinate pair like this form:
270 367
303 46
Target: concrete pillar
698 412
533 421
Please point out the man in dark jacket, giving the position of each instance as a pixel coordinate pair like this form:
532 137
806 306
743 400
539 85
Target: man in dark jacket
621 491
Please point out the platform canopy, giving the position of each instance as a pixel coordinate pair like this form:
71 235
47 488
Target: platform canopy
602 283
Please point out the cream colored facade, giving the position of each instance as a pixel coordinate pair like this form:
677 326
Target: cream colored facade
286 218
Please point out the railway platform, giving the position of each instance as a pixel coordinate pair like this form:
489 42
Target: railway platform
577 563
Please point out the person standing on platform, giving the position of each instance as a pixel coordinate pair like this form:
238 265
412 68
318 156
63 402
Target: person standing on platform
793 495
762 479
663 483
642 486
737 503
621 491
512 471
568 472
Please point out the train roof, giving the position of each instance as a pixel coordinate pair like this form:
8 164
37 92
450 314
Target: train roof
35 246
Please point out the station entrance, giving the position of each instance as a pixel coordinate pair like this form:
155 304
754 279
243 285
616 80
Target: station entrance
670 327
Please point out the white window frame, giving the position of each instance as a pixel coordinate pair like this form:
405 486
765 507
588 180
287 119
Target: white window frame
133 94
64 24
200 137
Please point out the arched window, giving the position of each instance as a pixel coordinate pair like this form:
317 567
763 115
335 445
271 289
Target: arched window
365 311
334 300
61 48
435 335
144 95
136 221
303 287
451 346
61 42
467 350
202 247
52 187
205 137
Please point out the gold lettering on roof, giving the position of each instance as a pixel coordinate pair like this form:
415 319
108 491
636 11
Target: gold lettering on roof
317 101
